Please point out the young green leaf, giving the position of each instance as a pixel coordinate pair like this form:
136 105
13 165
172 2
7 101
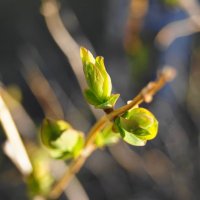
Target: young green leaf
98 80
62 141
137 126
109 103
107 84
86 56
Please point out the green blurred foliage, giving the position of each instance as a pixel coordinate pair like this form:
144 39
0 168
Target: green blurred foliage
39 182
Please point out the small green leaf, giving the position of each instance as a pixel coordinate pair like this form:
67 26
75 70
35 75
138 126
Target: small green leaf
95 80
133 139
107 137
127 136
137 126
147 125
62 141
98 80
51 130
91 98
86 56
107 85
109 103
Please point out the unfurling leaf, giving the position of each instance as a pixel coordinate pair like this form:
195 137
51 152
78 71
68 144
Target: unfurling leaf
107 137
137 126
98 80
62 141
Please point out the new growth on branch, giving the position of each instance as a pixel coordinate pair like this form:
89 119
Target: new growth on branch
131 123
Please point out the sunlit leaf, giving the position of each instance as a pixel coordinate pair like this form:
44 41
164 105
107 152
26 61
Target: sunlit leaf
86 56
107 84
110 102
51 130
98 80
136 126
62 141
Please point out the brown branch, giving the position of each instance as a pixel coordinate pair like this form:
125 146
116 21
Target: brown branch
146 95
72 169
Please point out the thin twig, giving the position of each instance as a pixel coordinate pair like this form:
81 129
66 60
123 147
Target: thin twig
16 145
183 27
43 92
145 94
72 169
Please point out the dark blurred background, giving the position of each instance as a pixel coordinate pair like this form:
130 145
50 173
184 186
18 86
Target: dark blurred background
137 39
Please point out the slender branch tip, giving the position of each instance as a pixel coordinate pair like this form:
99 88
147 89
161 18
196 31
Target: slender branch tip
168 73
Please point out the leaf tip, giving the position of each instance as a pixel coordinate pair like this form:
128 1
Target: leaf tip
86 55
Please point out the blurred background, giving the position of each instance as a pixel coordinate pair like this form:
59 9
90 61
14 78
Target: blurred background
41 75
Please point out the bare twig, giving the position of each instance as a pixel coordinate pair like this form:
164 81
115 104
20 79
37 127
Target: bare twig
44 93
15 144
181 28
165 76
177 29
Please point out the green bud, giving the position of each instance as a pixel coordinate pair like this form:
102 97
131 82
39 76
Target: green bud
137 126
98 80
62 141
107 137
107 84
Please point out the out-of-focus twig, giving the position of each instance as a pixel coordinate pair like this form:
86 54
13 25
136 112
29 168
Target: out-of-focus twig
23 121
180 28
75 190
145 95
127 158
177 29
44 93
14 147
192 7
61 36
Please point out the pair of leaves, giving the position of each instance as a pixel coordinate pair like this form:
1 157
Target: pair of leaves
136 126
98 80
61 140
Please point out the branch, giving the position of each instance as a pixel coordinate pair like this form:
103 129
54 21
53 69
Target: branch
145 95
43 92
14 146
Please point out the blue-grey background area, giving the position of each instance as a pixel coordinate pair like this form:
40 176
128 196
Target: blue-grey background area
167 168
